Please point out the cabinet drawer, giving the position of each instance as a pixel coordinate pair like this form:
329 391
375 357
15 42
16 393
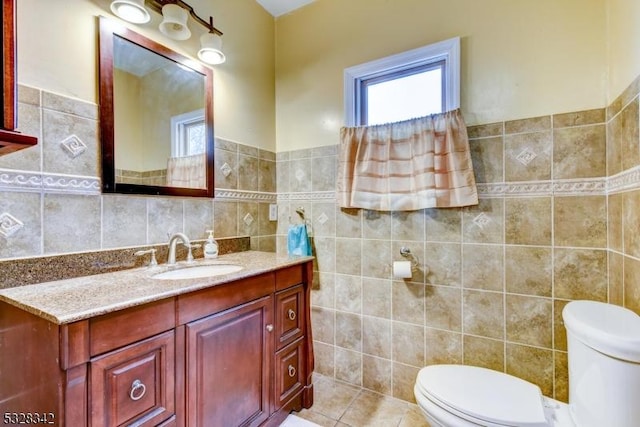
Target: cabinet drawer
289 315
134 384
128 326
289 376
196 305
287 277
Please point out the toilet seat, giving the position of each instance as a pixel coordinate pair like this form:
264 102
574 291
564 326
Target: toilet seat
482 396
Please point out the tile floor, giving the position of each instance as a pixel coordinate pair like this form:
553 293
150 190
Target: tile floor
338 404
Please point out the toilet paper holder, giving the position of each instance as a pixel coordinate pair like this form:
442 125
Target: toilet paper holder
406 253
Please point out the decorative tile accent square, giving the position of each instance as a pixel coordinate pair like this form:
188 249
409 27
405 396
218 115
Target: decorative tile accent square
226 169
300 174
482 220
9 225
323 218
526 156
248 219
73 145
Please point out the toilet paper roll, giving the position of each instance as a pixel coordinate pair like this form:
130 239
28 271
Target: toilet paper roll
401 270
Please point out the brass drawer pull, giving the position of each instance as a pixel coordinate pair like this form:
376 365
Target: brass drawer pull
292 314
137 390
270 327
292 371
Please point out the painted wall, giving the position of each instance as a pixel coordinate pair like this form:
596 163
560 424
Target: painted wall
623 48
519 58
244 106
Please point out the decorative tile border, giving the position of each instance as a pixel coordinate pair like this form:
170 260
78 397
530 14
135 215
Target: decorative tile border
250 196
569 187
624 181
317 195
20 180
515 189
29 181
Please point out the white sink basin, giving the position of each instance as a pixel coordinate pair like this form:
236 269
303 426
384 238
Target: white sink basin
198 272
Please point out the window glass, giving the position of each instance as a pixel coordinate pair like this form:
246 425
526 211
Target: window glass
404 97
410 84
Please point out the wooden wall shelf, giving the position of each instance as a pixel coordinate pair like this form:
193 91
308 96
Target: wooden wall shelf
10 139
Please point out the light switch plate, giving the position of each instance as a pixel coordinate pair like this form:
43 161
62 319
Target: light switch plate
273 212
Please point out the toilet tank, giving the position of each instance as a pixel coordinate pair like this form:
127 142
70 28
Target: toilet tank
604 364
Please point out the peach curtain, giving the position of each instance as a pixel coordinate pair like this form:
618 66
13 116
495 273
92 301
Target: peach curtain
187 172
409 165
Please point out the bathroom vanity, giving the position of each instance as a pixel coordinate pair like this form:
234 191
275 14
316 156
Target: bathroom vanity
127 348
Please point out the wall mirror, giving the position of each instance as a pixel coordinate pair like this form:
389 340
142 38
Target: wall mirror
156 117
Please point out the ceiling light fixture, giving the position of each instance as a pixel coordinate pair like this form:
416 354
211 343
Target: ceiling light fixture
175 14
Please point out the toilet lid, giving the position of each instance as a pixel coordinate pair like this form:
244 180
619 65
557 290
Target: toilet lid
481 394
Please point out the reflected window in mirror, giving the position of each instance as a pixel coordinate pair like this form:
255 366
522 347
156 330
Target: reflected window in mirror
156 117
188 134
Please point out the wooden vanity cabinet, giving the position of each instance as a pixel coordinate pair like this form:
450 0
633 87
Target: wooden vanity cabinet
234 350
236 354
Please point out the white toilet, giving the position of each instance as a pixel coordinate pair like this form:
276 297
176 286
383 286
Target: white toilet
604 380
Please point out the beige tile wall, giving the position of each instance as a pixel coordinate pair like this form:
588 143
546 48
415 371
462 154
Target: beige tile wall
493 278
54 202
623 159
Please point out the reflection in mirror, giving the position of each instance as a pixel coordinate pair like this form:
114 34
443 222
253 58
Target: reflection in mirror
158 136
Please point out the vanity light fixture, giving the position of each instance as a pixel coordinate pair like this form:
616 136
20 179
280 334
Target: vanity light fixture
131 11
175 15
211 49
174 22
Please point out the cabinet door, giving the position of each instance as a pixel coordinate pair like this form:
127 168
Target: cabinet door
229 361
134 385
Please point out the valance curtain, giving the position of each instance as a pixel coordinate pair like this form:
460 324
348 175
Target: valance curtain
409 165
187 171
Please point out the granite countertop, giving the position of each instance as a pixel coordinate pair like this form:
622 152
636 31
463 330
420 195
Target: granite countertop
67 301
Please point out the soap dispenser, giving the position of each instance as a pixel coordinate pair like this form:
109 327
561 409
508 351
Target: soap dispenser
211 246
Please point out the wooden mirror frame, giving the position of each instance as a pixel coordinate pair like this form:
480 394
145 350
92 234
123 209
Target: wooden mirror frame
108 30
10 139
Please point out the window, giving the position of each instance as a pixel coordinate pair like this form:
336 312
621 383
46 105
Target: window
188 134
411 84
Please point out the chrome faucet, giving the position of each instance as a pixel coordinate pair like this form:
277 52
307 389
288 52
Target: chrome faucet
173 240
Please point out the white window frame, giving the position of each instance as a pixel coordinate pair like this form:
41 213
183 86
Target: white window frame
446 50
178 145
